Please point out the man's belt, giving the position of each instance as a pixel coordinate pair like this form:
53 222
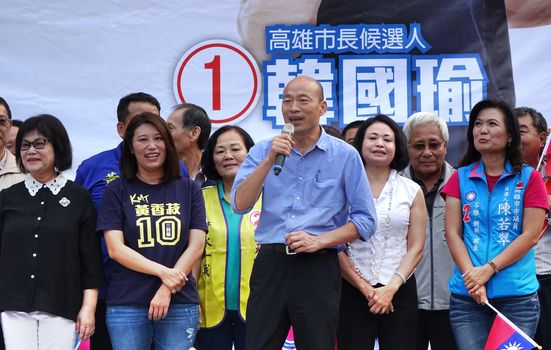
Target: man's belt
284 249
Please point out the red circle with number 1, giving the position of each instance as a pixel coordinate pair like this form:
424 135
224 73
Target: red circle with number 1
220 76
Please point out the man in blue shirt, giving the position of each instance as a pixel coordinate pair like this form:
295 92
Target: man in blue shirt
320 200
96 172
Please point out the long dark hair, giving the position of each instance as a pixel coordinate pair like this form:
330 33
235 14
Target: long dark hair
128 163
513 151
401 158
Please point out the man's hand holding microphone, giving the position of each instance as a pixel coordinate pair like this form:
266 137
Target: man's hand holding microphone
281 147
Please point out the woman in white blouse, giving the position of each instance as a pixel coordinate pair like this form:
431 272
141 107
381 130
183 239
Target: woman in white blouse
379 296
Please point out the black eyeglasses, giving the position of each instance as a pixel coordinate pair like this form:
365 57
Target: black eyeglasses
433 146
39 143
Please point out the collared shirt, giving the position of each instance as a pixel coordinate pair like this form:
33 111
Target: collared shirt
233 250
9 171
316 192
49 248
430 195
436 265
97 171
200 178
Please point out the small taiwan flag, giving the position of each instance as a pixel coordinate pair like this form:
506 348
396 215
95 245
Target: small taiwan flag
290 341
520 185
504 335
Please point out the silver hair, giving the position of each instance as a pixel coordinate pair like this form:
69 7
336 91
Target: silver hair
423 118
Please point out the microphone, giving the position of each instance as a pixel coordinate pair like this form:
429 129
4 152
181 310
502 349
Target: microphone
288 129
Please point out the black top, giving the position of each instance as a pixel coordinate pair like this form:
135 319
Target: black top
49 249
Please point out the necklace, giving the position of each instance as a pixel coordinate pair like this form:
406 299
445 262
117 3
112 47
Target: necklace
388 220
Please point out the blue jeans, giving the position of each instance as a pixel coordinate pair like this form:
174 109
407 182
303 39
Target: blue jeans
130 329
471 322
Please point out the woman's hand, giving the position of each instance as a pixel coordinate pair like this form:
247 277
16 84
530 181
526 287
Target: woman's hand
158 307
367 289
381 302
477 277
86 322
479 295
174 279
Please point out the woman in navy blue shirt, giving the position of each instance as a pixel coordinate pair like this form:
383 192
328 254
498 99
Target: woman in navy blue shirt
154 227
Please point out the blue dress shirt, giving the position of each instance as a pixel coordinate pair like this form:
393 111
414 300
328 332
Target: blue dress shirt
316 192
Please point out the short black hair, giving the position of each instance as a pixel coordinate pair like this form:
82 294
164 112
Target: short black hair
51 128
401 157
193 116
513 151
207 160
128 163
352 125
16 122
122 108
5 104
538 120
332 131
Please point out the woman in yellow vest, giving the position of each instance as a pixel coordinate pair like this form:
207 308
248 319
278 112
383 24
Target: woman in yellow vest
230 247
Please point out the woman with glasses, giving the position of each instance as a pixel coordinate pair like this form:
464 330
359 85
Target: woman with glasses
50 257
379 294
154 226
495 208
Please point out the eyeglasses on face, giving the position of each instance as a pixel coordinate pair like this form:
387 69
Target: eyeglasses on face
433 146
38 143
4 122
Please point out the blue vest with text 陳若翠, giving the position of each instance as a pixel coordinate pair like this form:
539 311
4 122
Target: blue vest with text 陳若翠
491 221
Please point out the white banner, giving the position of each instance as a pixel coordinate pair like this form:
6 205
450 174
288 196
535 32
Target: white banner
75 60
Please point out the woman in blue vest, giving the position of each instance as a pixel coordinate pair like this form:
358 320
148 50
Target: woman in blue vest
495 207
230 248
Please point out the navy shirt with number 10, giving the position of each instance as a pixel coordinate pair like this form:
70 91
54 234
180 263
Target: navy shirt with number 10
156 220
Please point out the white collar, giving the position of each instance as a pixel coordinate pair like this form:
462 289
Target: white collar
55 185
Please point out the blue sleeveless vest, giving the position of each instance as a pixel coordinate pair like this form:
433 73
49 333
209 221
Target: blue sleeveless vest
491 221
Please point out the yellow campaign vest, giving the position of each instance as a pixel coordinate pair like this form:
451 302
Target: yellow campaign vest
212 276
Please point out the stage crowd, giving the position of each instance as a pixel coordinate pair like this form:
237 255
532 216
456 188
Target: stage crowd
318 238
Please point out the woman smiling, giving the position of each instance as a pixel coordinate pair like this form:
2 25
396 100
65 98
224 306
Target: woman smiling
379 295
228 258
154 226
50 258
495 207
